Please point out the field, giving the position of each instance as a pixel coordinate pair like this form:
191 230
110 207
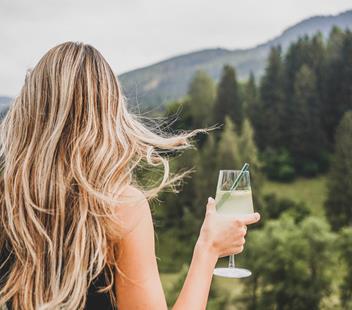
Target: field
310 191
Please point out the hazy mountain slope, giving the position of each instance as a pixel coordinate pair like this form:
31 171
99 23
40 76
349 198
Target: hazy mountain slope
154 85
4 105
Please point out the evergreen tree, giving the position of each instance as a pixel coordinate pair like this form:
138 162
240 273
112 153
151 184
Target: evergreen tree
205 177
339 202
334 43
228 156
251 99
270 125
339 81
228 101
333 55
247 149
307 136
248 153
309 52
305 51
296 56
178 113
201 94
319 62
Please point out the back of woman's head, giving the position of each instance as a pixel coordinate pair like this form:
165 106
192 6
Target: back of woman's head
68 149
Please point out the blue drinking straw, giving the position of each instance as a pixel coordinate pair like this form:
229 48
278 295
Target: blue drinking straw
234 186
237 181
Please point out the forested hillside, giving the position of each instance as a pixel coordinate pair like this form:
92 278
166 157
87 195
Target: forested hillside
154 85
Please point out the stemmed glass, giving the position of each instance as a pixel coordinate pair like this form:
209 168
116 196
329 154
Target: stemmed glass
233 198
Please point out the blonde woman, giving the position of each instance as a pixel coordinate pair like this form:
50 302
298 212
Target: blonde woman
76 230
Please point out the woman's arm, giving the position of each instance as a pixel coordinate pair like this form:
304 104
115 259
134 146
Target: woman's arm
195 290
140 286
219 236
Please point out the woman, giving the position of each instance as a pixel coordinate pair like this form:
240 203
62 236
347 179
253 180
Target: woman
76 229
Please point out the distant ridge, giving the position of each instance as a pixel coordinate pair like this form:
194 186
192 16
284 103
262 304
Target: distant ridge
4 105
154 85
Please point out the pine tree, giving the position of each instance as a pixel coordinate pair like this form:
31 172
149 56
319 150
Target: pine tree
201 94
308 52
270 124
339 202
251 99
339 81
306 136
178 114
333 55
229 101
228 156
205 177
334 43
248 153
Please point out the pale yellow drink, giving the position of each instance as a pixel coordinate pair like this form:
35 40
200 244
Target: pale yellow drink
237 202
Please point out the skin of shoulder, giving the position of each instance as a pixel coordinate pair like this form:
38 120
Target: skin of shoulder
138 281
133 209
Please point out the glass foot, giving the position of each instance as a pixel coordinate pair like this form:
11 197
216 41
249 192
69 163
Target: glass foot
232 272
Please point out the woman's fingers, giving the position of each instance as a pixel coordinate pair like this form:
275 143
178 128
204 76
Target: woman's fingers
249 218
243 231
211 205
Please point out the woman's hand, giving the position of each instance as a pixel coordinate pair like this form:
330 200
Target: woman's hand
223 235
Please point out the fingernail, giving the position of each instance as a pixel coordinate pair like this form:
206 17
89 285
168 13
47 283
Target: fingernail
210 199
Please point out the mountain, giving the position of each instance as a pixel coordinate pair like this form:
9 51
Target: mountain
154 85
4 105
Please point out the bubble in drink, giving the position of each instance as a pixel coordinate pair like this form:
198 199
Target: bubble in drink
237 202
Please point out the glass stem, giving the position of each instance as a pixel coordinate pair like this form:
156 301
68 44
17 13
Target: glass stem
232 261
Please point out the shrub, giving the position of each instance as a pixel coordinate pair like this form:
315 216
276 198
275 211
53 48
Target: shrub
278 165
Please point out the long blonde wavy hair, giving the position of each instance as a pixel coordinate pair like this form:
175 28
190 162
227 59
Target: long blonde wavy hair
69 148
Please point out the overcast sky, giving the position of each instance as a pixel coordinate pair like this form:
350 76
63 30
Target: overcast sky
136 33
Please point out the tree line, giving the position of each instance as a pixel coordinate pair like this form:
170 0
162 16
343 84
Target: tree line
295 121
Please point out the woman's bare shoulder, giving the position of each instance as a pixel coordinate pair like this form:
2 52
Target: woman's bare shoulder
131 191
133 207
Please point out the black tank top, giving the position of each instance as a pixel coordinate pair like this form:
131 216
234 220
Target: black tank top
95 299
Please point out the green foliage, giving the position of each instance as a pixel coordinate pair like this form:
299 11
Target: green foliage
345 246
269 124
291 263
278 165
248 153
274 207
201 94
206 174
228 152
179 114
307 137
339 202
247 149
297 105
228 101
338 96
251 98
